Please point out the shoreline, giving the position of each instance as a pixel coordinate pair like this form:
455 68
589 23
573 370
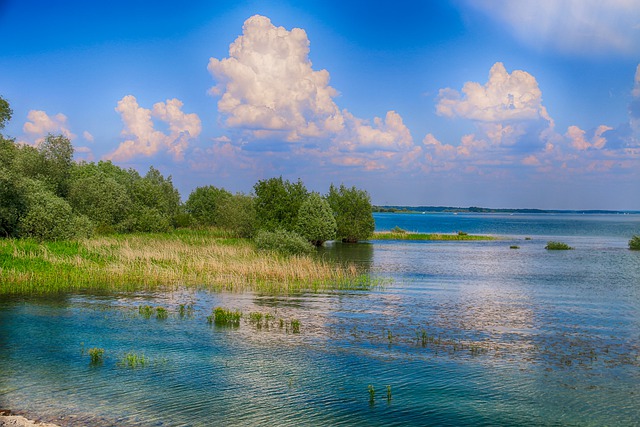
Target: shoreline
20 421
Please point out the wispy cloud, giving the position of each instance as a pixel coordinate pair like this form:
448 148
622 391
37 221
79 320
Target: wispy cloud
580 27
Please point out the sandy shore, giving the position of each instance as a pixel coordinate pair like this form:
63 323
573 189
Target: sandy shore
18 421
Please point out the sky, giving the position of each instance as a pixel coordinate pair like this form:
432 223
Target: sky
492 103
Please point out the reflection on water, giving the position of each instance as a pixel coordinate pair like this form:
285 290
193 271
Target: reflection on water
468 333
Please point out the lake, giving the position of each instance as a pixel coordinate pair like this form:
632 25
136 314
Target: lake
458 333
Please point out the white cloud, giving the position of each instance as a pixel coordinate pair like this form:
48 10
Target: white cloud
579 142
583 27
40 124
505 97
270 92
268 83
142 137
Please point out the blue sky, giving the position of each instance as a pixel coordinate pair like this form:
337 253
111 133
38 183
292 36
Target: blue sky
490 103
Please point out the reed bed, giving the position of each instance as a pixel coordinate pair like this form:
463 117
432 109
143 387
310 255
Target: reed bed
405 235
202 259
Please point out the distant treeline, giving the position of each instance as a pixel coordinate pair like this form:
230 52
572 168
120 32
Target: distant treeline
475 209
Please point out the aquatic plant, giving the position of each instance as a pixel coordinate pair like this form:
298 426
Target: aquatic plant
295 326
557 246
372 394
96 354
255 318
634 243
388 393
462 233
514 247
133 360
161 313
145 311
224 317
185 310
399 230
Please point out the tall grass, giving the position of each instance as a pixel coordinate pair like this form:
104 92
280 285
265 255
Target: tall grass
194 258
404 235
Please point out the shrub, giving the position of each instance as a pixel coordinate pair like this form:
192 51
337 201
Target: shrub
315 221
277 203
398 230
96 354
238 215
557 246
48 216
634 243
282 241
353 212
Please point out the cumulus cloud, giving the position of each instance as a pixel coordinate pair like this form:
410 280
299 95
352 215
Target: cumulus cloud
268 83
582 27
143 139
505 97
579 142
270 92
40 124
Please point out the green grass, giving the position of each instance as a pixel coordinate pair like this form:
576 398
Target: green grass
557 246
634 243
96 354
460 236
224 317
202 259
133 360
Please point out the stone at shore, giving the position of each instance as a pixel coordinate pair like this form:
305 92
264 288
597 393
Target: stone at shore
18 421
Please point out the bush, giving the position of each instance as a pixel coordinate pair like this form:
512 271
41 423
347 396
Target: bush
315 221
398 230
634 243
48 217
353 212
277 203
557 246
284 242
237 214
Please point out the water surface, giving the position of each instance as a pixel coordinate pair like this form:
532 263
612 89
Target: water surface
464 333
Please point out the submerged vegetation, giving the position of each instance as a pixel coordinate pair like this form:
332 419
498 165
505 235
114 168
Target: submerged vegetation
557 246
204 259
634 243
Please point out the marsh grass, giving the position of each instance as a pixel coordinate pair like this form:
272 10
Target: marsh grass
557 246
97 355
204 259
460 236
133 360
634 243
225 317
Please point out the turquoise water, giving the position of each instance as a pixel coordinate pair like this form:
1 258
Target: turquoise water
464 333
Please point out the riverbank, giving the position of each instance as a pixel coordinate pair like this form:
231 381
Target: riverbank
207 259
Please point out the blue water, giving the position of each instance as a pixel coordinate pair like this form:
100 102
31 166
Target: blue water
464 333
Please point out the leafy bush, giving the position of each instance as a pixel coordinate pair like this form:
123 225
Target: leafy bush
315 221
277 203
238 215
634 243
204 204
282 241
353 212
557 246
48 216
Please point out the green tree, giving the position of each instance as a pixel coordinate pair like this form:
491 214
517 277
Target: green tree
353 213
14 203
5 112
277 203
101 198
49 217
315 221
238 214
204 204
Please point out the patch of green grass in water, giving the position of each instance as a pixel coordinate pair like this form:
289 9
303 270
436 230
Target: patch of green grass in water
428 236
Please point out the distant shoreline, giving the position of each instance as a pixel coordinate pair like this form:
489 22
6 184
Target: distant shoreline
474 209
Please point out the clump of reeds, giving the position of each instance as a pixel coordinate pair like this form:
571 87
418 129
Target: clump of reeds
224 317
161 313
372 394
145 311
514 247
97 355
185 310
557 246
634 243
152 261
133 360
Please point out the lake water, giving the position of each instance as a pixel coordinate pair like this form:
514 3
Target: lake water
463 333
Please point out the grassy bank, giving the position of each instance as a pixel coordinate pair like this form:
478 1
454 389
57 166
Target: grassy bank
405 235
205 259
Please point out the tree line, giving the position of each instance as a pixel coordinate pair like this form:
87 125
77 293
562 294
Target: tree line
45 195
